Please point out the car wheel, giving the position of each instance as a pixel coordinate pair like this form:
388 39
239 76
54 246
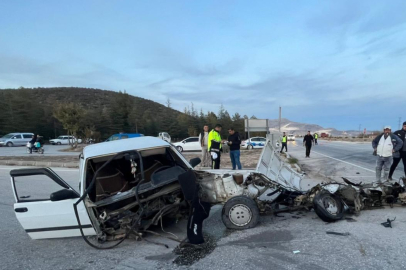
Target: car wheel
249 147
41 150
180 149
9 144
240 213
328 207
28 150
58 143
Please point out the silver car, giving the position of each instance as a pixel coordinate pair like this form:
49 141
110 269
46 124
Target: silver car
16 139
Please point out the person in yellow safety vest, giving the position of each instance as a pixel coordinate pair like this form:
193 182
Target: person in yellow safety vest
284 142
316 136
214 146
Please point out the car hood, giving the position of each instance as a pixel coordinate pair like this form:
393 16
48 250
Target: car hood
272 165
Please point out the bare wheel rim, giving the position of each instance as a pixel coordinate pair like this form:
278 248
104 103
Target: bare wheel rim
330 205
240 215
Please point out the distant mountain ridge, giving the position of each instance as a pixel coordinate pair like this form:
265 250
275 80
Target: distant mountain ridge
297 128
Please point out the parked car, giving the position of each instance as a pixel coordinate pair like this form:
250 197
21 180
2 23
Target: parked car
121 136
127 186
189 144
254 142
64 139
291 137
16 139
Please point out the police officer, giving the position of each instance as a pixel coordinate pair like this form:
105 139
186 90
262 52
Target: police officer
214 146
316 136
284 142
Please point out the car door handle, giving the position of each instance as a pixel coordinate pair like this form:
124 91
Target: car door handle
21 210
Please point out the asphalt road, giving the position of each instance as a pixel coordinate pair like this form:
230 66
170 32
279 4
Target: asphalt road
50 150
270 245
356 155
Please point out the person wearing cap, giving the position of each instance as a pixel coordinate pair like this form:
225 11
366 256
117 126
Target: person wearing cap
385 145
402 152
214 146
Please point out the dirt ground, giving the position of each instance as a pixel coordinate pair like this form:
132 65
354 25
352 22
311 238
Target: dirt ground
249 158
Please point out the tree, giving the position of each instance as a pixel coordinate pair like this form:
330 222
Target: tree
70 115
168 103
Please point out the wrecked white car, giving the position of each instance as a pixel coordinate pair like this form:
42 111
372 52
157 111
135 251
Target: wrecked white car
126 186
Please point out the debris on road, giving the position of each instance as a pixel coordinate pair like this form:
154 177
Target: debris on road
338 233
388 223
296 251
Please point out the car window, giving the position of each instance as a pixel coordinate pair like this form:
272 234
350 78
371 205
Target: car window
262 139
27 136
114 138
189 140
35 187
124 136
8 136
16 136
60 138
255 140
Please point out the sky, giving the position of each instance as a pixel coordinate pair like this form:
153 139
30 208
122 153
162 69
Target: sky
338 64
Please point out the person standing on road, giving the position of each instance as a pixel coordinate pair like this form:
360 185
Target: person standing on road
316 136
204 139
385 145
214 146
284 142
234 141
402 152
308 141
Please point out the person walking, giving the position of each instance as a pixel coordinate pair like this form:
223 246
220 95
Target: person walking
214 146
316 136
234 141
402 152
284 142
308 141
204 139
385 145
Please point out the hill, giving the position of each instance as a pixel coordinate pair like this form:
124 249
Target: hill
107 112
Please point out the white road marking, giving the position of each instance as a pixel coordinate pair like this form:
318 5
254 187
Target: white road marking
346 162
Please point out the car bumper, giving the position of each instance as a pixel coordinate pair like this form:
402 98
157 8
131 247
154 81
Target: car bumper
2 143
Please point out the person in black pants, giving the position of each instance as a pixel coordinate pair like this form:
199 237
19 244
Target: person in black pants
284 142
402 134
308 141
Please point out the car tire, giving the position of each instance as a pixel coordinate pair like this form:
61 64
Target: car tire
180 149
240 213
250 147
328 207
9 144
58 143
41 151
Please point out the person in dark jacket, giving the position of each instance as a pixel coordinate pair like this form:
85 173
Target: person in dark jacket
234 141
308 141
402 152
32 142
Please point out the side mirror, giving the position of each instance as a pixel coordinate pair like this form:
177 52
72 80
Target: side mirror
195 161
183 142
63 194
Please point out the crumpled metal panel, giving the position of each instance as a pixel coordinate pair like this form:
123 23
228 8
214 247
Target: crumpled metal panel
271 164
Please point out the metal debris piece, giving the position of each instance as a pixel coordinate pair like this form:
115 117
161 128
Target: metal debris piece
349 219
338 233
296 251
388 223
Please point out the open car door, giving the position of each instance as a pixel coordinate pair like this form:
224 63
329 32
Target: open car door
44 204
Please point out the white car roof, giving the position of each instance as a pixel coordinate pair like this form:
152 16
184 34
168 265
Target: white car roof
138 143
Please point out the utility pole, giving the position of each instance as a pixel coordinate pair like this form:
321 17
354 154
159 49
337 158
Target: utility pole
280 115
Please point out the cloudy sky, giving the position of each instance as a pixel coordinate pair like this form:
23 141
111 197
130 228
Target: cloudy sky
333 63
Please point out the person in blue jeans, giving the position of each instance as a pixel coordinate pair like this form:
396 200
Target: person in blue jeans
234 142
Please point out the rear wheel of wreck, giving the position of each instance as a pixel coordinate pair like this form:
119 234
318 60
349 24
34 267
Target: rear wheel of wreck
328 207
240 213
